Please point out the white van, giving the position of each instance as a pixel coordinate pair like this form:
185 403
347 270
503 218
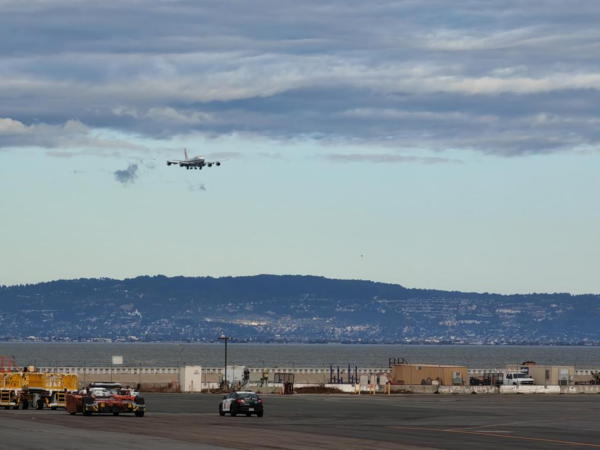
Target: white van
517 379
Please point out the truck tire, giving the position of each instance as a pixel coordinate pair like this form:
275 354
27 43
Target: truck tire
39 404
139 414
260 414
25 404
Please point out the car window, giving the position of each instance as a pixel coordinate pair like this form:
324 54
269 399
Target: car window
248 396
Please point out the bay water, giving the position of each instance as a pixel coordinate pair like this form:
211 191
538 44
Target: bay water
291 355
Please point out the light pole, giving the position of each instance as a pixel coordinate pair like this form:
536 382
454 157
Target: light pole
225 339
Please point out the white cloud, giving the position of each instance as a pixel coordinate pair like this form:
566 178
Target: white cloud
172 115
71 136
11 127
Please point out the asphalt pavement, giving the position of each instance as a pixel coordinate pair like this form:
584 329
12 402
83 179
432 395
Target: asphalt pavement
451 422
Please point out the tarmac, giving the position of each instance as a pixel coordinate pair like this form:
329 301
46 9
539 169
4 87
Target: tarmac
191 421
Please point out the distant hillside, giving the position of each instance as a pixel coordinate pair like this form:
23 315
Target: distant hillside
269 308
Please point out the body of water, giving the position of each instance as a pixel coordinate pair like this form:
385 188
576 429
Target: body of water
292 355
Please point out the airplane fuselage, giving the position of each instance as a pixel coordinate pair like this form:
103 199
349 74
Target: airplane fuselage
195 161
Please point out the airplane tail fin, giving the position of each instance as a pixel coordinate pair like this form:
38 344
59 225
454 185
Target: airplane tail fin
185 152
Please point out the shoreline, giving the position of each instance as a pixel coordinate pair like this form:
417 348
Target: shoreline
404 344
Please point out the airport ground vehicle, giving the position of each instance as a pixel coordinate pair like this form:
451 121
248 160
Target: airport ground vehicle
29 388
11 384
105 397
241 402
517 379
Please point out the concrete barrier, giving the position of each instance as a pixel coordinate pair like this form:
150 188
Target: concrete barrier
468 390
530 389
580 389
268 390
348 388
415 389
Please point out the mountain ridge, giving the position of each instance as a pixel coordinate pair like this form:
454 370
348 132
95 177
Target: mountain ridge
288 308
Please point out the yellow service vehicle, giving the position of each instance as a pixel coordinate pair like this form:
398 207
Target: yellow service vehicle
39 390
11 384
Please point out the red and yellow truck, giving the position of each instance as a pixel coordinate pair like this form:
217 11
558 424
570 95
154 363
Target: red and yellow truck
107 398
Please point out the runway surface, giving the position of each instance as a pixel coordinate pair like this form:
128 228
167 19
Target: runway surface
323 422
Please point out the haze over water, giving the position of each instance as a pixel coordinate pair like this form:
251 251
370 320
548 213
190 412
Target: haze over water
298 355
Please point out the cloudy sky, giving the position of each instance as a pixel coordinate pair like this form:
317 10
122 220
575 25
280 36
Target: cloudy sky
435 144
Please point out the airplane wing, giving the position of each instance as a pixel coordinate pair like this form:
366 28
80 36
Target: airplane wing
210 163
175 162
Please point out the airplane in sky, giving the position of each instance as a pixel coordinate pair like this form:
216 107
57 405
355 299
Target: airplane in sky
197 162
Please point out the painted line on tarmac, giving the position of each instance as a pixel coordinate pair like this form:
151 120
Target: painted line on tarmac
503 436
509 423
